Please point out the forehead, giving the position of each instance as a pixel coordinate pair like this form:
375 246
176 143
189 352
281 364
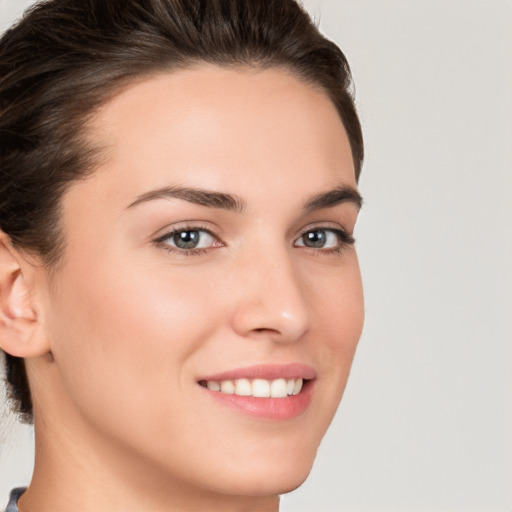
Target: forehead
215 108
220 128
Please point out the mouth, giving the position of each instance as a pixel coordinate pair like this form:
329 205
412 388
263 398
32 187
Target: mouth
258 388
276 392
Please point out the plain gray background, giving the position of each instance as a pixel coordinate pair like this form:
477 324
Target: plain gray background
426 421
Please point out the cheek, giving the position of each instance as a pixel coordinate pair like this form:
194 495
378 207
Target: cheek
338 304
122 335
348 317
126 335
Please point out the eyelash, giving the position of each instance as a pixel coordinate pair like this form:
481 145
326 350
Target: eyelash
185 252
344 238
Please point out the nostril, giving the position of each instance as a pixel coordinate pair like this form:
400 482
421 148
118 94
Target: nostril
274 317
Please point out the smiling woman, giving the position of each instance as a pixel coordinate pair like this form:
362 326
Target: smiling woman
181 297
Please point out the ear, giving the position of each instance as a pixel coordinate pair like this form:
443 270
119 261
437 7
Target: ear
21 330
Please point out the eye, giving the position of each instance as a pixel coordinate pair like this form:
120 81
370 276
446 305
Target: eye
189 239
324 238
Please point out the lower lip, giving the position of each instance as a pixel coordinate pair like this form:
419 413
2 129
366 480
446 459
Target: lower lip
284 408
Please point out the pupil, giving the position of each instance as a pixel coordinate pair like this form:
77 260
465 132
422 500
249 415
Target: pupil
186 239
314 238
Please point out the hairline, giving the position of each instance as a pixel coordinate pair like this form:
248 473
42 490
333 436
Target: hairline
98 153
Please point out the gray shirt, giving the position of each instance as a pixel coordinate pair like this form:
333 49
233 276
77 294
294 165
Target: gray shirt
12 506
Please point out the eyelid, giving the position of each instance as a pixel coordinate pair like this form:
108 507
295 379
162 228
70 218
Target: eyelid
170 231
173 231
192 225
327 225
344 236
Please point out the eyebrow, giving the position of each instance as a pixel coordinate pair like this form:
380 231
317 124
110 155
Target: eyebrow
231 202
203 197
341 194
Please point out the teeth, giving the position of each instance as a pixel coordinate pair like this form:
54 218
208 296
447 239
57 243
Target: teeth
227 386
243 387
261 388
278 388
212 385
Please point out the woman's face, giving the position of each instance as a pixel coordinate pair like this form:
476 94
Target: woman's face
211 248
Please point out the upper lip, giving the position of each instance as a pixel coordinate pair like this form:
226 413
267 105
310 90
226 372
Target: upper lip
265 371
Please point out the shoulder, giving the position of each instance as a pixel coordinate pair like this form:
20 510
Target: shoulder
12 506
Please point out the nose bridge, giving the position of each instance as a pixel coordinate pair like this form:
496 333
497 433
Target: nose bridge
272 296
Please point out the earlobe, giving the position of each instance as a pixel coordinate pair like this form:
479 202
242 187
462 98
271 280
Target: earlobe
21 332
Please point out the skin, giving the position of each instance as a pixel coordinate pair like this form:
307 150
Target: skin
117 337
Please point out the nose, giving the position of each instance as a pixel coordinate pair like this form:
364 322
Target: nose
272 302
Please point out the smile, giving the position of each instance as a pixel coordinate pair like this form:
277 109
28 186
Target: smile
273 392
259 388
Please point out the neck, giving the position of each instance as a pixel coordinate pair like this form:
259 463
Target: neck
99 475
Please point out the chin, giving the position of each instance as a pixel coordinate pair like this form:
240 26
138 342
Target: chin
267 486
278 477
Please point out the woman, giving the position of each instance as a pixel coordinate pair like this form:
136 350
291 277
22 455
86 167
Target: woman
181 298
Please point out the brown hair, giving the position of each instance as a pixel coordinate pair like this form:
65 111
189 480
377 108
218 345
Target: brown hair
65 58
